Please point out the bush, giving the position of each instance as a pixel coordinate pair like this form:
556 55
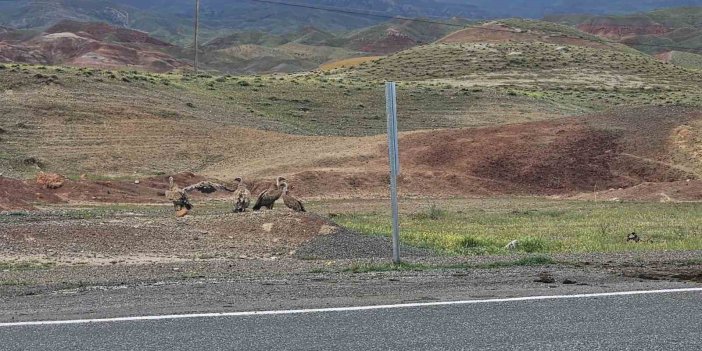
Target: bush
434 213
531 244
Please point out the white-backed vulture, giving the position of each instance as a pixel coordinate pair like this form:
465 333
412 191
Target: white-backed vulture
242 196
290 201
268 197
178 196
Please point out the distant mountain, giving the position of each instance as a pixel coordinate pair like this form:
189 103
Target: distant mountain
655 32
172 19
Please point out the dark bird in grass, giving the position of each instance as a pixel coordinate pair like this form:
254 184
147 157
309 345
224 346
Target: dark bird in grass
179 197
242 196
268 198
290 201
633 237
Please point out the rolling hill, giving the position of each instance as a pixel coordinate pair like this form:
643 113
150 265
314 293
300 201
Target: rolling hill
309 47
88 44
512 107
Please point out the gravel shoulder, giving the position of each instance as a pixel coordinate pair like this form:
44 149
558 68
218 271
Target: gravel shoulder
245 285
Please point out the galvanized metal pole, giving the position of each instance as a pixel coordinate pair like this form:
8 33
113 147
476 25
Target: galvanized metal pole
391 108
197 29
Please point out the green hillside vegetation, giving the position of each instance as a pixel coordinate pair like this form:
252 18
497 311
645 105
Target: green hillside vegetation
456 61
686 59
678 17
419 32
308 48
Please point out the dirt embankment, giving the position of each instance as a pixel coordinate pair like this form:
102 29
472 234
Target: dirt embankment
619 149
161 237
17 194
25 194
613 150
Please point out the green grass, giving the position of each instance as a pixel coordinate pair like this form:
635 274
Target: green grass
403 266
13 283
543 226
25 265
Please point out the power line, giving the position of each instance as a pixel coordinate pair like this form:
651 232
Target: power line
464 26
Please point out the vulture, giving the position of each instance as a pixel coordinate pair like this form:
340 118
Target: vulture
178 196
206 187
633 237
268 197
242 196
290 201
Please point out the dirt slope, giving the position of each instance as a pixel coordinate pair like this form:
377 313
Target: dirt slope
16 194
618 149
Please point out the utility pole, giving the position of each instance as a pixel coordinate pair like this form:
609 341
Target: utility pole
197 29
391 109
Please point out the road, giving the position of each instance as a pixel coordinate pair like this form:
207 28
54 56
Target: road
662 320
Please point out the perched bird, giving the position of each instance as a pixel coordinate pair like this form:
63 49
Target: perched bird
633 237
291 201
242 196
179 197
268 197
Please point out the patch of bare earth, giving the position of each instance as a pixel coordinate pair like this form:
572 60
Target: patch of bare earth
140 239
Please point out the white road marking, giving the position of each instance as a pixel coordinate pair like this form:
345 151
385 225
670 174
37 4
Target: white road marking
346 309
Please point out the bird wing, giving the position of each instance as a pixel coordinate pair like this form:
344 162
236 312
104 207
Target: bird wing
174 195
259 199
293 203
207 187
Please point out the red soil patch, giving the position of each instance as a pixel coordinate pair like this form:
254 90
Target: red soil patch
612 29
392 41
618 149
92 45
16 194
105 32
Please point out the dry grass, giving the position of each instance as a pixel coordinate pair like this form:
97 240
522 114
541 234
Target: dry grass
347 63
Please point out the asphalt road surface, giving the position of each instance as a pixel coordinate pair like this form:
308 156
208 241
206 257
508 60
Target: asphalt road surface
669 320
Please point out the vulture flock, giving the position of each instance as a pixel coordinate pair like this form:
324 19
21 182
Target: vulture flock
242 196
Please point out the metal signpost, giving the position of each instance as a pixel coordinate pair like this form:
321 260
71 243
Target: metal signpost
197 29
391 107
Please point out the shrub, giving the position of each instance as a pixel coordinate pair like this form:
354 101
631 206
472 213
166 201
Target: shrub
531 244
